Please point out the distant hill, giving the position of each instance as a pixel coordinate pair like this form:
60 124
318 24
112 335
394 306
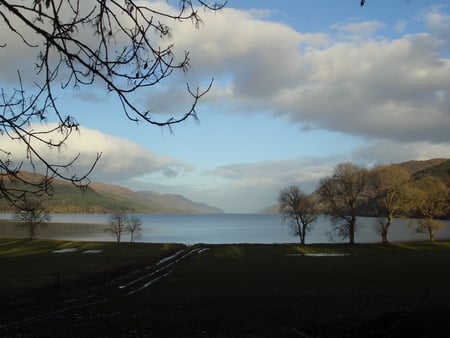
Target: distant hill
178 202
415 167
439 167
270 210
106 198
441 170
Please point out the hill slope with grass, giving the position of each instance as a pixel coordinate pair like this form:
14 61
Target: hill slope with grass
107 198
441 170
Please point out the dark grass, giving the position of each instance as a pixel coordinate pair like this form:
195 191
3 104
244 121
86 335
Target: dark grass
259 290
398 290
30 269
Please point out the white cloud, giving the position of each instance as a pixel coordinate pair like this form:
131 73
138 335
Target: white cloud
356 84
276 172
121 159
437 20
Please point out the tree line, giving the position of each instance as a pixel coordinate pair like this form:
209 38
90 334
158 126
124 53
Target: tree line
385 191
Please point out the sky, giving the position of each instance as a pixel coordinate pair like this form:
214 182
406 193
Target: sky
299 86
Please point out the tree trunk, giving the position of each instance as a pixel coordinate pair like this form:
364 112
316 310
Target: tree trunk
385 228
351 231
352 238
431 233
302 237
32 231
384 234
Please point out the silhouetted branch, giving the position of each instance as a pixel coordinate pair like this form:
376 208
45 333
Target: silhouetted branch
121 46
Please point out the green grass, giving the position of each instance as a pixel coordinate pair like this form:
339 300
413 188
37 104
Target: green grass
396 290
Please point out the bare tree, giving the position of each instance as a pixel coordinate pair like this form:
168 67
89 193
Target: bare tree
391 186
120 46
340 196
117 225
298 209
32 216
432 202
134 227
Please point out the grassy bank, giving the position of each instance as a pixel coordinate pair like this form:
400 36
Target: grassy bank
247 290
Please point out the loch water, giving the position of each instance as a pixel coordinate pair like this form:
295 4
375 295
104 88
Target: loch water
217 228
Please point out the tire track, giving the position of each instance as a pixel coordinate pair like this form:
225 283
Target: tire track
159 273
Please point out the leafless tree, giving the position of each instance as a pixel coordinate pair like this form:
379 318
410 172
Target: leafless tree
121 46
432 202
32 216
134 227
392 192
298 209
117 225
340 195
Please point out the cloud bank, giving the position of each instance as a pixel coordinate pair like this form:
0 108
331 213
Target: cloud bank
351 80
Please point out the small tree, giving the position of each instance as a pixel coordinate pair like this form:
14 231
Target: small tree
32 216
432 202
117 224
298 209
134 227
340 196
391 186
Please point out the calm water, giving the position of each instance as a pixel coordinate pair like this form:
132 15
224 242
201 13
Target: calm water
220 228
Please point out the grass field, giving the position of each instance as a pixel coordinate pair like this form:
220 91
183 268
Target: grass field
36 268
398 290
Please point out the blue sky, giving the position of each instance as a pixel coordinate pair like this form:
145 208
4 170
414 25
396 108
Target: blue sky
299 86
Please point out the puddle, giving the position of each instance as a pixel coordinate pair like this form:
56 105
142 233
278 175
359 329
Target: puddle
92 251
65 250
